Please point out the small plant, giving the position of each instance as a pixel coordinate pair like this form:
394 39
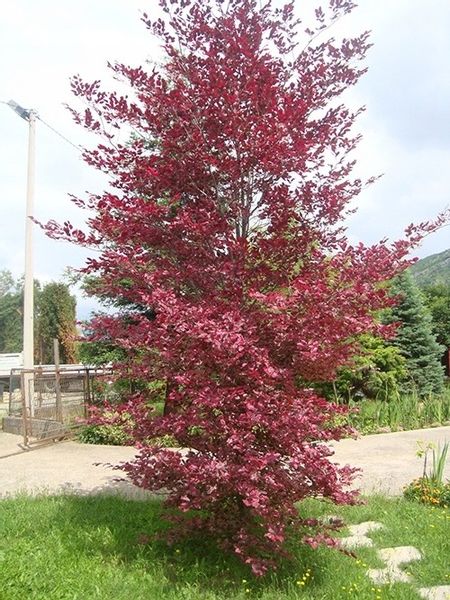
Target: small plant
430 488
109 427
439 459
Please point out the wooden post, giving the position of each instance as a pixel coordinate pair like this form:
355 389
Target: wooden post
87 392
25 420
59 412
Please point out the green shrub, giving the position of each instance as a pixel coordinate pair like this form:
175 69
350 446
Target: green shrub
110 425
375 373
116 435
109 435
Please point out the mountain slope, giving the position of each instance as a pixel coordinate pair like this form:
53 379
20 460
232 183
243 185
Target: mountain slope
433 269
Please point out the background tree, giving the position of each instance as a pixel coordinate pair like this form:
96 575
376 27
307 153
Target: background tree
6 282
99 353
437 300
56 319
54 316
11 303
11 312
415 338
227 229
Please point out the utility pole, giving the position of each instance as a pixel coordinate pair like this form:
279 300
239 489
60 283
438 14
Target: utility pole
28 295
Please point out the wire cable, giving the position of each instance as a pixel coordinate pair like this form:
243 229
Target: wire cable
79 148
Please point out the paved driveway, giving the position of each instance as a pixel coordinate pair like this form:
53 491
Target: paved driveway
388 462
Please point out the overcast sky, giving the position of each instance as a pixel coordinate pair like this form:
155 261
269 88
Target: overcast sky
406 127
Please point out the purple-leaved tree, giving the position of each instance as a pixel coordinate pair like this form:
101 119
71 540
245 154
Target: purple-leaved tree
222 236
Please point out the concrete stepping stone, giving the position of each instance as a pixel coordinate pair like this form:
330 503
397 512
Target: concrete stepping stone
358 537
394 557
439 592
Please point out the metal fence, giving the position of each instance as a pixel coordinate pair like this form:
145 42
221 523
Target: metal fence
59 398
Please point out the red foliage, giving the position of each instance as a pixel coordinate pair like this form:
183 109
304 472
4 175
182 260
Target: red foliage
224 220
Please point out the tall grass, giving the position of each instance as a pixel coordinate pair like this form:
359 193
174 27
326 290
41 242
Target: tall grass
409 411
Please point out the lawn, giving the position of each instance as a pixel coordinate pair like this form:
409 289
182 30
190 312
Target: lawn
83 548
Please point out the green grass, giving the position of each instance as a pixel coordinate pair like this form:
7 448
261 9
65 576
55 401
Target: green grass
89 548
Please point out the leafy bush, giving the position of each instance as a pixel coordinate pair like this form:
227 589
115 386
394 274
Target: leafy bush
164 441
114 426
375 373
108 434
116 435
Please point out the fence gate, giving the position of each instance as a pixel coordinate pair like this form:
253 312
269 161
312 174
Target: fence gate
59 399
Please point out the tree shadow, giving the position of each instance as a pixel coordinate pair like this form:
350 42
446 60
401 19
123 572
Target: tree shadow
133 530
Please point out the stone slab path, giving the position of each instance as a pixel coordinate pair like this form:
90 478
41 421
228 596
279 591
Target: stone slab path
395 559
439 592
358 537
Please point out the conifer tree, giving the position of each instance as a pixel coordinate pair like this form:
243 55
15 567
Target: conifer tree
11 302
415 338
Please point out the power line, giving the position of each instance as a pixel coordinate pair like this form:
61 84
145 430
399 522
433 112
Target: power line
79 148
